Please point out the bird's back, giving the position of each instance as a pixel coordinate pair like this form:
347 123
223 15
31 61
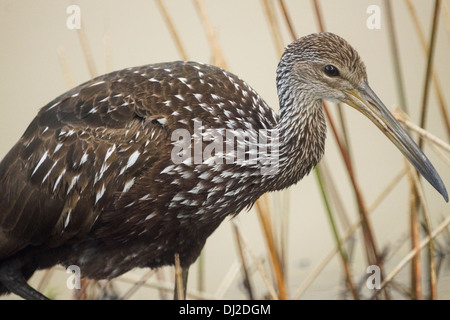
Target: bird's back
99 160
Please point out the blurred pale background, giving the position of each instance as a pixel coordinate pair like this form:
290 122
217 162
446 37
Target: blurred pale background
130 33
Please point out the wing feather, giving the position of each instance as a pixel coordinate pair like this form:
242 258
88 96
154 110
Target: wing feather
70 161
86 151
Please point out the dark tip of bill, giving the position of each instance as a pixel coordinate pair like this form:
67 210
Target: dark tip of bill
440 187
445 194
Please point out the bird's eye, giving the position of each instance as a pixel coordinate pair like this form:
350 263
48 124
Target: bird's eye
331 71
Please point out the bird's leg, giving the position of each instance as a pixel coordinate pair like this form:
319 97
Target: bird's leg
12 278
19 286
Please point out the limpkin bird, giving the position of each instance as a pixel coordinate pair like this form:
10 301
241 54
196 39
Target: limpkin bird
135 166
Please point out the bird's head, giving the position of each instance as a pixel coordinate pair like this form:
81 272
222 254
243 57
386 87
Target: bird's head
324 66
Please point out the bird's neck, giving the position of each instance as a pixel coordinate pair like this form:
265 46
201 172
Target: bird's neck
302 132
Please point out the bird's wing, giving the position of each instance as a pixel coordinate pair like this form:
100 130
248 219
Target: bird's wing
93 142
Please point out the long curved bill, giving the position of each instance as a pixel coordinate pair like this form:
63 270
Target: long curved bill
367 102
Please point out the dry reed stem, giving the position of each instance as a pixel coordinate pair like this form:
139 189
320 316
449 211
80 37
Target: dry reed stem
319 17
436 81
430 56
343 127
281 201
440 154
64 64
390 186
246 281
83 294
173 31
446 16
395 54
403 118
416 265
426 214
108 53
88 56
267 227
138 284
258 265
411 254
273 24
217 54
179 277
287 19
